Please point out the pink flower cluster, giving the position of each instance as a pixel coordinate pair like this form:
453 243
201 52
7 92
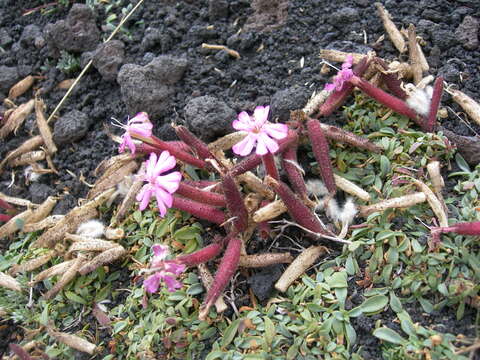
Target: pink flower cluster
260 132
342 76
140 124
165 270
163 186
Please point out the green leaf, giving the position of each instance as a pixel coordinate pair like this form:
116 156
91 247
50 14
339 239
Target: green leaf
119 326
292 352
269 331
185 233
103 293
337 280
137 216
462 164
230 333
351 334
74 297
215 355
384 165
406 323
374 304
389 335
395 303
426 305
195 289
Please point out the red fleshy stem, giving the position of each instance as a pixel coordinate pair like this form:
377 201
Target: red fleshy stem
391 80
20 352
346 137
463 228
199 210
386 99
206 197
201 256
320 150
235 205
299 212
434 104
263 227
225 272
289 159
190 139
173 150
337 98
144 148
254 160
5 205
201 183
4 217
269 164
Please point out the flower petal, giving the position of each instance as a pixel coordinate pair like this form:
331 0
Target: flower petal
260 114
276 131
245 146
152 283
160 251
165 163
174 267
144 196
172 283
268 142
169 182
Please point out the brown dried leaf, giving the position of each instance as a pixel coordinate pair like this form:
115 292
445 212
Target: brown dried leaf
17 118
21 87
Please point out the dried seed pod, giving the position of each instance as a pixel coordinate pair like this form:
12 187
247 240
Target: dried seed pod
67 276
114 233
43 127
320 149
471 107
73 341
28 158
351 188
53 271
299 266
414 55
437 182
315 102
398 202
47 222
103 258
206 197
110 165
227 141
21 87
235 204
43 210
109 180
89 244
266 259
391 29
255 184
17 201
207 279
435 204
27 146
34 263
270 211
65 84
340 56
229 51
12 225
225 272
199 210
16 118
9 282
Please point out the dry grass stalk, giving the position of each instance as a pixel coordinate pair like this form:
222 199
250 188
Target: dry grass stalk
437 182
43 127
17 201
34 263
270 211
114 233
103 258
254 183
351 188
207 279
109 180
413 54
53 271
28 158
422 59
267 259
43 210
398 202
315 101
226 142
471 107
73 341
391 29
27 146
16 118
67 276
71 221
47 222
11 226
340 56
21 87
435 204
9 282
299 266
230 52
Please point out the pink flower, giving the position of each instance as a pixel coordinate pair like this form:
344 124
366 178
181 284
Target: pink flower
160 185
141 125
342 76
260 132
165 270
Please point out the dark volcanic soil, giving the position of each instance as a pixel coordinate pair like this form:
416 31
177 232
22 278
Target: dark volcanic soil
273 37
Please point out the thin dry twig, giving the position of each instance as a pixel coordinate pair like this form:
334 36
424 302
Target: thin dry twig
230 52
414 55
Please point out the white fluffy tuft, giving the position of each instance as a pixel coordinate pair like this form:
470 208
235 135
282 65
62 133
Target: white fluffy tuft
348 212
31 175
316 188
419 100
91 228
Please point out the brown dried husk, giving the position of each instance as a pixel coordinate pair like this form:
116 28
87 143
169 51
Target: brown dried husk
103 258
16 118
21 87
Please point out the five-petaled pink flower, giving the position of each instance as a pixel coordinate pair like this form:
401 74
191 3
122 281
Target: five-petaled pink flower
141 125
163 186
165 270
342 76
260 132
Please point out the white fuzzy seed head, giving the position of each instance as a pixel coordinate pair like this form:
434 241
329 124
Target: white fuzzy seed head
91 228
348 212
419 100
333 210
316 188
31 175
